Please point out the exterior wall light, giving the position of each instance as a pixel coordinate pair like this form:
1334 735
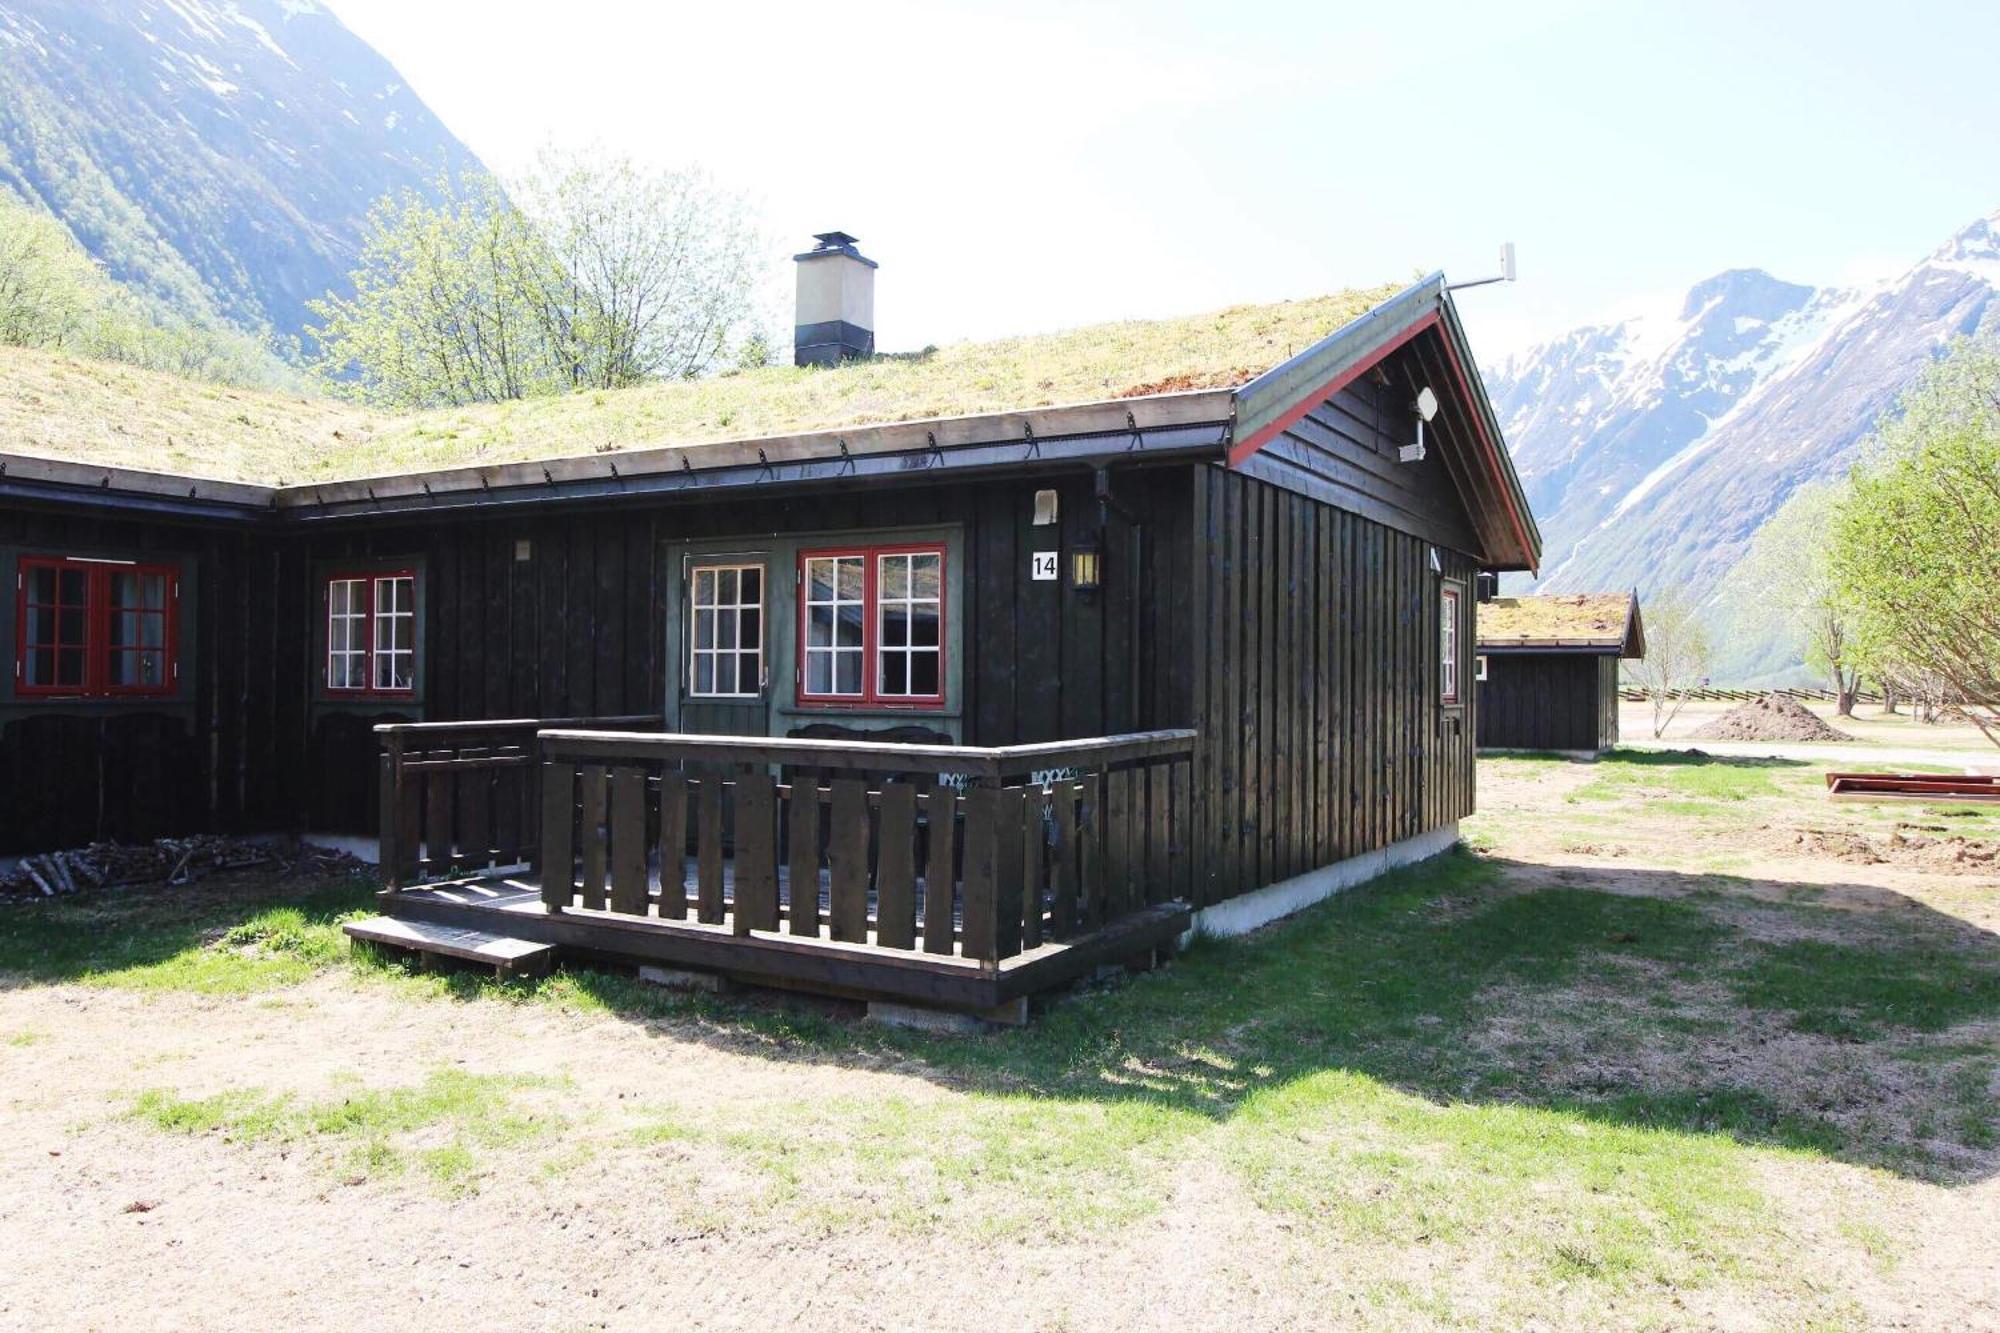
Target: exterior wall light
1086 566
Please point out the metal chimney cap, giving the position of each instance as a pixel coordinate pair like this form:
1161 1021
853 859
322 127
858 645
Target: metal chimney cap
835 243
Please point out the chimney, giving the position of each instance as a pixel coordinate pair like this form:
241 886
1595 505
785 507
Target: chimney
836 308
1488 586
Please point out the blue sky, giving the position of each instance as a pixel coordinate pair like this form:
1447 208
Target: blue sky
1037 165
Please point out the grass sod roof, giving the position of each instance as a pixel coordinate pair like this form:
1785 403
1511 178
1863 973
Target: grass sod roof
1597 621
114 415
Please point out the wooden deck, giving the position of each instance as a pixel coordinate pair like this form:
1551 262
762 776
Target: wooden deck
959 876
513 906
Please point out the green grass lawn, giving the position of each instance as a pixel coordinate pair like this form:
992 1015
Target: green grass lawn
1439 1063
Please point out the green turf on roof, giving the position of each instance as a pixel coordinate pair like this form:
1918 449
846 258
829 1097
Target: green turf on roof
57 407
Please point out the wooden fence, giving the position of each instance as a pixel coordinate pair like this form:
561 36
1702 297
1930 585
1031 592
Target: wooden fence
460 798
941 849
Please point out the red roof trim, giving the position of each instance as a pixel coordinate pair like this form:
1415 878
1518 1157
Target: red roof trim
1243 448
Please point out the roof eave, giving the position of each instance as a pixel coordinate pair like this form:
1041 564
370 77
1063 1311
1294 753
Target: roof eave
1269 403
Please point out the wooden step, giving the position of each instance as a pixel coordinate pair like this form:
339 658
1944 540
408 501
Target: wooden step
509 957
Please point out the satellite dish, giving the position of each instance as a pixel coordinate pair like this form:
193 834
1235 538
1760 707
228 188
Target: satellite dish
1427 403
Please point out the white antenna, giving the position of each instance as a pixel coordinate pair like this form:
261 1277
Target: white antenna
1507 273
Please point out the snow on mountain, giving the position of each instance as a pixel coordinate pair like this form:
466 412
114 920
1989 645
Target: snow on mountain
1652 448
219 154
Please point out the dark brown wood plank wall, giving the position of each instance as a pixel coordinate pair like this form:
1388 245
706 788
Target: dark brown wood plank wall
213 757
1318 693
578 628
1548 701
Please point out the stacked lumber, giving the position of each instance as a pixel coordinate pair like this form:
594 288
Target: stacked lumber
165 861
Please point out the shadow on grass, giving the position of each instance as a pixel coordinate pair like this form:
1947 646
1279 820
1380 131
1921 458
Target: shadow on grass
1402 981
1405 982
135 928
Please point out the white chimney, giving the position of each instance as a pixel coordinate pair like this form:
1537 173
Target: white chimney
836 306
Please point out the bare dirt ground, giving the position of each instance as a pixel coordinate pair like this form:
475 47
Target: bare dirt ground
1876 736
190 1160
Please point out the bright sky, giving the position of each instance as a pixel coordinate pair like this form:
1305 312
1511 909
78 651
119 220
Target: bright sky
1043 164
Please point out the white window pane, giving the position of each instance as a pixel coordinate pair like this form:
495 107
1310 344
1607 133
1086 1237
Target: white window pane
819 672
725 587
895 576
926 572
750 633
849 674
924 674
753 586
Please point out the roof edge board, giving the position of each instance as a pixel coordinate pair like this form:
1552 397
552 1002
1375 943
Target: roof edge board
1264 405
1187 423
1148 412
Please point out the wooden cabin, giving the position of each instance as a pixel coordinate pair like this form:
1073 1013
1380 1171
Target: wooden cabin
1548 670
945 708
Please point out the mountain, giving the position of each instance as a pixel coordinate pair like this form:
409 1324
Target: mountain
218 155
1652 448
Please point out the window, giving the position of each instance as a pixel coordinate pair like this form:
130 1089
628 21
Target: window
872 624
726 648
1479 667
1448 643
371 633
89 627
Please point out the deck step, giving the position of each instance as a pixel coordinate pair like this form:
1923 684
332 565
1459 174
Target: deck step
509 957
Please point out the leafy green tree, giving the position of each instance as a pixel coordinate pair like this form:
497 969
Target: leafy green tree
1916 548
587 273
444 308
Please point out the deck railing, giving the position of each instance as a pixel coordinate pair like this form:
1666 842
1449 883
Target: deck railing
975 851
458 798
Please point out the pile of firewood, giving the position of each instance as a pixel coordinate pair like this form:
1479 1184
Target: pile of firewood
168 861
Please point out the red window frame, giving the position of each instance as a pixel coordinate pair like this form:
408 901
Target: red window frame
367 579
97 612
871 622
1448 609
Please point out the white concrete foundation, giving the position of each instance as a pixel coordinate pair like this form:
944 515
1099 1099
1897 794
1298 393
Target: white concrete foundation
361 849
1242 914
674 978
923 1018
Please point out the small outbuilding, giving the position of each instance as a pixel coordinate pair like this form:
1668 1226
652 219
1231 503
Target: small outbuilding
1547 670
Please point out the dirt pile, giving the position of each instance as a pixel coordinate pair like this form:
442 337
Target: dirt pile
1929 847
1774 717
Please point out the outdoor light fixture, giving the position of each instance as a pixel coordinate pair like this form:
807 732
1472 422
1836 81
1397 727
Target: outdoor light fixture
1425 408
1086 571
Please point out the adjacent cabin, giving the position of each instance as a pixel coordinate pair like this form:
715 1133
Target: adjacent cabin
1548 670
940 677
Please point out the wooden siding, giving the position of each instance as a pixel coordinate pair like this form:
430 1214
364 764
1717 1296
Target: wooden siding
214 757
1549 701
1344 453
1317 687
579 628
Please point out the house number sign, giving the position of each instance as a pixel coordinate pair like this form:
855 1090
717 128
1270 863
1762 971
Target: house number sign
1043 567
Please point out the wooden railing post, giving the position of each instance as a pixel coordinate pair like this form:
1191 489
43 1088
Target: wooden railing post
558 814
389 854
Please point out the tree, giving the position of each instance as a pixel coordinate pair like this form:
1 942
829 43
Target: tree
1916 548
444 306
1676 660
587 273
1787 577
654 270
